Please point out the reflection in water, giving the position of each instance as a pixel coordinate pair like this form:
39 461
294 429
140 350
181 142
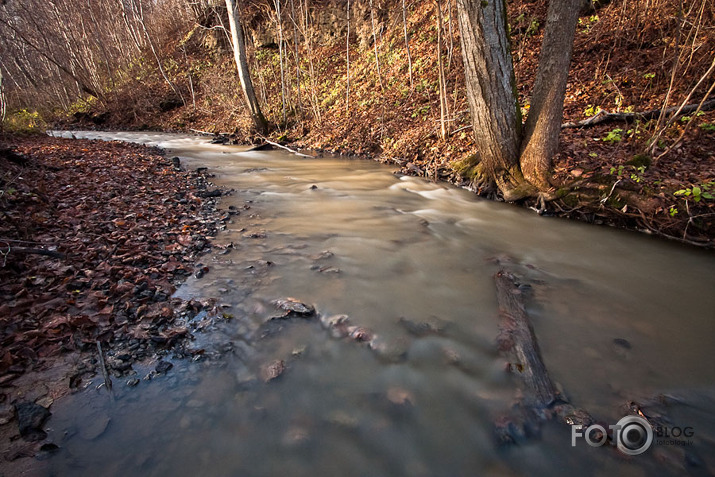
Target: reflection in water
402 250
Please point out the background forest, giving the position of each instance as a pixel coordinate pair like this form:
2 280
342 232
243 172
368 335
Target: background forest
384 78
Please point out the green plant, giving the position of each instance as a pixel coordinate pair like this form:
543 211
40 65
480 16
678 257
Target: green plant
592 110
587 24
673 211
533 28
634 173
615 135
422 111
637 176
697 193
709 127
619 170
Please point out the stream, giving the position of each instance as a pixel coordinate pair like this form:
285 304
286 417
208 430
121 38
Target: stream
619 316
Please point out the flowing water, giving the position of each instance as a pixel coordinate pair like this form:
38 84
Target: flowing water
619 316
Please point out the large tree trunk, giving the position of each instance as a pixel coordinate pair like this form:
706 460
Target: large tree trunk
239 51
543 124
491 93
519 168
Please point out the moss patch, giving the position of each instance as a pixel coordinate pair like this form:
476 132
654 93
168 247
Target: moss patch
468 168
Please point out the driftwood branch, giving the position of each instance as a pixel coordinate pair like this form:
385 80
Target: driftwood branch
203 133
275 144
105 373
606 117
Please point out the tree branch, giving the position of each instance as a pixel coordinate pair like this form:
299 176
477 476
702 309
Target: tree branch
606 117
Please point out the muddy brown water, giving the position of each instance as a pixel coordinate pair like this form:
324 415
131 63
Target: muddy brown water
619 316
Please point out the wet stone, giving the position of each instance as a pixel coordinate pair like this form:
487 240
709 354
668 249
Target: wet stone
209 193
30 418
291 305
337 325
322 255
360 334
622 343
163 366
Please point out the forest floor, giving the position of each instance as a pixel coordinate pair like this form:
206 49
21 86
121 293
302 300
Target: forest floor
94 238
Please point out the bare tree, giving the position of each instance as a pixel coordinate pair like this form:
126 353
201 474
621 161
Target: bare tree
139 13
407 44
3 107
281 55
239 51
347 57
374 43
296 53
307 36
443 113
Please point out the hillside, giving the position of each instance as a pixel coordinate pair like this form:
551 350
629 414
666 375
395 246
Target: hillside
628 58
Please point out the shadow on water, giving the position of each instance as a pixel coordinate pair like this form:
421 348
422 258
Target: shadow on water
619 317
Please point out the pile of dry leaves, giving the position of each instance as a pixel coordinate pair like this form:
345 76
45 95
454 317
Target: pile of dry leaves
94 237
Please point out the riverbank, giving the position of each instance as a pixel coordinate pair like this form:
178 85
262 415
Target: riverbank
94 239
386 105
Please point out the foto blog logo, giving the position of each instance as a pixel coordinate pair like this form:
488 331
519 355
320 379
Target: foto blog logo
633 435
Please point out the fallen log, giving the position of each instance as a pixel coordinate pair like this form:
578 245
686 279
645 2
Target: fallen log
606 117
540 399
516 335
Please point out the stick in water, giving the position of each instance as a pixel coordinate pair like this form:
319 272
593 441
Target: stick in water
105 374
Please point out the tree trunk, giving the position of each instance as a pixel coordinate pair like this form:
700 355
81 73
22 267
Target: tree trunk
239 51
347 56
491 93
279 26
407 44
443 113
297 62
2 102
541 139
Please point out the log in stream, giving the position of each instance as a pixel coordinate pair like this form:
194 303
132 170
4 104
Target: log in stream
540 399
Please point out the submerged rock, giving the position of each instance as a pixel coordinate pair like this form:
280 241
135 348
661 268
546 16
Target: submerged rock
360 334
272 370
337 325
95 427
432 326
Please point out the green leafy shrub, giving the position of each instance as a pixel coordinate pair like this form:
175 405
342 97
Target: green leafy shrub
697 193
24 122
